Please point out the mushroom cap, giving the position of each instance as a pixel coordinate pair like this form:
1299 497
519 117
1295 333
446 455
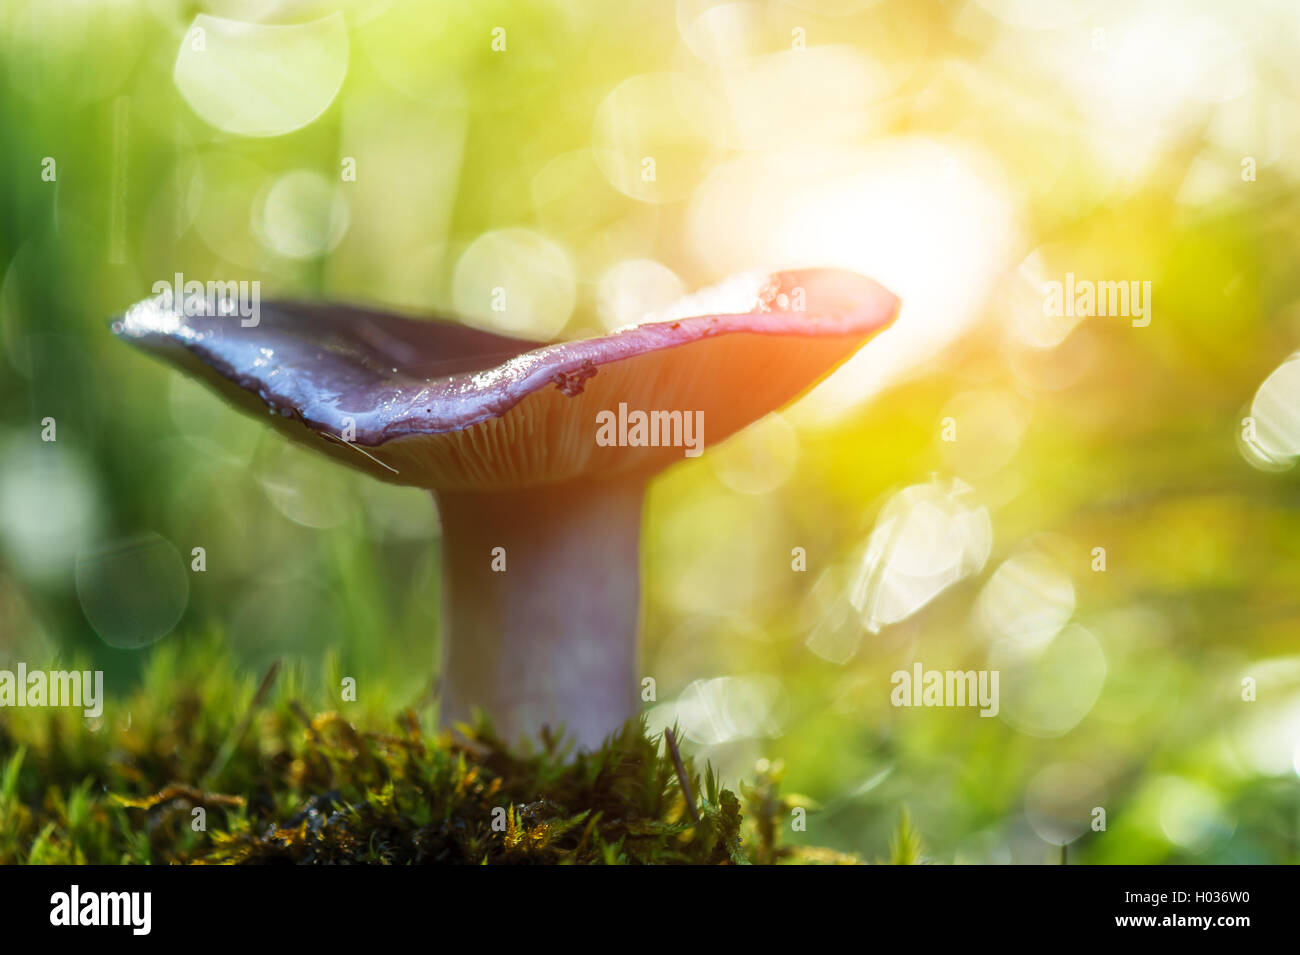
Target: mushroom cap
439 405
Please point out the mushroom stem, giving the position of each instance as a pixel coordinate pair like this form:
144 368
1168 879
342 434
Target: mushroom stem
544 630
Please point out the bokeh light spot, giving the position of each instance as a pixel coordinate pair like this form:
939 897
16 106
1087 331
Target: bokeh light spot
133 592
928 537
48 507
1026 601
1059 801
517 282
1276 417
256 80
650 136
1191 815
303 214
760 459
633 290
1046 692
731 707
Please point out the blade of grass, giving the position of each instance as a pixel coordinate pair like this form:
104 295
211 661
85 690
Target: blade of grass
232 741
685 782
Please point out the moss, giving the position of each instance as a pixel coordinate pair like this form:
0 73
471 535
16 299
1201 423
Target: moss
198 766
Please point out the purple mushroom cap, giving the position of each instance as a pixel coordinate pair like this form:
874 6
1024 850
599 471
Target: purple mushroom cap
443 406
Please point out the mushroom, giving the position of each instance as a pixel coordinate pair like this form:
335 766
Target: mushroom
538 455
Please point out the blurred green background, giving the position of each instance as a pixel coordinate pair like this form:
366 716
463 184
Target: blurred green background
950 486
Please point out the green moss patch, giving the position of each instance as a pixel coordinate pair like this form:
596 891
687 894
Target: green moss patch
198 766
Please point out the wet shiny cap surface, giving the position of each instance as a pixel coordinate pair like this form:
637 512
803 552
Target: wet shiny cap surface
440 405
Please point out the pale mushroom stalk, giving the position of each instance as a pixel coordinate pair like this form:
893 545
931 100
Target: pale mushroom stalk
541 521
545 629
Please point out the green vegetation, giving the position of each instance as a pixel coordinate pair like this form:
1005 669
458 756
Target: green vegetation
986 159
163 779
